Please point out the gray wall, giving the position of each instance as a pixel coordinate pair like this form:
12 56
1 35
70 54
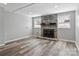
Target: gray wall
13 26
17 26
1 26
67 33
77 27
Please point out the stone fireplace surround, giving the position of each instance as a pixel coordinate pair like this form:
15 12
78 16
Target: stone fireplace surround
49 26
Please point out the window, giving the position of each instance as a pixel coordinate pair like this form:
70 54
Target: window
37 22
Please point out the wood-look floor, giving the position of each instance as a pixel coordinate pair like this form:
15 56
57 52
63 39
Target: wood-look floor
39 47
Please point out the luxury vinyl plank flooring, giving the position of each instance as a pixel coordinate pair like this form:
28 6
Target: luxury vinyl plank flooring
39 47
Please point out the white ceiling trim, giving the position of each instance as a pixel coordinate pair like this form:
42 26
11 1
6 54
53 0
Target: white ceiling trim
23 7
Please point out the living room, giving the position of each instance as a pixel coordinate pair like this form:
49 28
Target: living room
36 29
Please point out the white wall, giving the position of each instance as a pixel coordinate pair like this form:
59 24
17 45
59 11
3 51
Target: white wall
17 26
1 26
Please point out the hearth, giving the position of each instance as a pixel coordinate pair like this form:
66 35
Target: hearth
50 33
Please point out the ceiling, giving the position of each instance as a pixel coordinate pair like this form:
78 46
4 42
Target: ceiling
13 6
36 9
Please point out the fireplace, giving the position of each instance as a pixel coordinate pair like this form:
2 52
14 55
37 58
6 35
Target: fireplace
49 33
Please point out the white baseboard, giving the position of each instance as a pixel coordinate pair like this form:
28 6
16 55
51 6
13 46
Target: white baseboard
67 40
77 45
2 44
17 39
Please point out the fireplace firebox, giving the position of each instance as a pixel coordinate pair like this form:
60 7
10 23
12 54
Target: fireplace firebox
48 33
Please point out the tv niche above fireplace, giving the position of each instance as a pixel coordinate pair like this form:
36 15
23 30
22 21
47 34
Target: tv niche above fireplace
49 26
